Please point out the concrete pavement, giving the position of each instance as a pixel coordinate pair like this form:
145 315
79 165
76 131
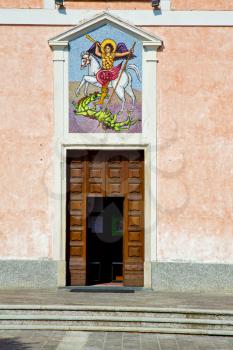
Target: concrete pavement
139 298
68 340
43 340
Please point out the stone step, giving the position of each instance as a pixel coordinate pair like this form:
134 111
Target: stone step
111 318
92 328
126 314
84 310
107 320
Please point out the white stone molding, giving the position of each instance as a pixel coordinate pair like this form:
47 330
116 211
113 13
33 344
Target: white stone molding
102 18
53 17
165 5
145 140
49 4
150 109
58 73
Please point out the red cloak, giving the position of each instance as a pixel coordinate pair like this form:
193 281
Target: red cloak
104 76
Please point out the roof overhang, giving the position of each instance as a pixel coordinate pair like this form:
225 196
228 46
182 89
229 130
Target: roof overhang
101 19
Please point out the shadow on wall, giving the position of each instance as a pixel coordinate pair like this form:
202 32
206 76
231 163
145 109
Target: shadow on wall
14 344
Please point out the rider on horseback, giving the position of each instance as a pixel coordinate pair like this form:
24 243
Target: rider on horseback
109 52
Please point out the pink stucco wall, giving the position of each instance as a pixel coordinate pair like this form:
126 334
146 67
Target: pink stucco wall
195 150
217 5
26 131
21 4
111 5
145 5
75 4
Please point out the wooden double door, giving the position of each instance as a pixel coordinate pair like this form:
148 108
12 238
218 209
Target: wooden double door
105 200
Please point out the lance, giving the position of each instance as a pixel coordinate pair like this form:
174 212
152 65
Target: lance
89 38
123 69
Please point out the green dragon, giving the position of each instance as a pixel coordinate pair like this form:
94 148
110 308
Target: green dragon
104 116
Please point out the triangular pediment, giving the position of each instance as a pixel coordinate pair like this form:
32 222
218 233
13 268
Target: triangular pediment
100 20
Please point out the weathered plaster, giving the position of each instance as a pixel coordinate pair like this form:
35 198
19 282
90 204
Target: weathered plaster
215 5
179 5
109 5
21 4
195 149
26 134
97 5
116 5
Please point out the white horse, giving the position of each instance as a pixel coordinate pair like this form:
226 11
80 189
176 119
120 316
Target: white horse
125 84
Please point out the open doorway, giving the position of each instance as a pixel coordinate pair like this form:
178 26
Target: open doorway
104 240
105 217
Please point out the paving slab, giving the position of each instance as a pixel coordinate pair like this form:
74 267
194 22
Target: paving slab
34 340
139 298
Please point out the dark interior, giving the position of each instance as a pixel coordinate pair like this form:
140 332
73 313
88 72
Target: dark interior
104 240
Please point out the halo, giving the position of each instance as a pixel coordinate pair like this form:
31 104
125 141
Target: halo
106 42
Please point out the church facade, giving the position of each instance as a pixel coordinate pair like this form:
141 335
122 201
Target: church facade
116 132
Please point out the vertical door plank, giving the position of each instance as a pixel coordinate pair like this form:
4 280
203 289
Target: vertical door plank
96 174
134 222
114 174
77 223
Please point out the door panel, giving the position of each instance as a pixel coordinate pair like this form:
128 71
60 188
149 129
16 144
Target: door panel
76 242
134 230
106 174
114 175
95 174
